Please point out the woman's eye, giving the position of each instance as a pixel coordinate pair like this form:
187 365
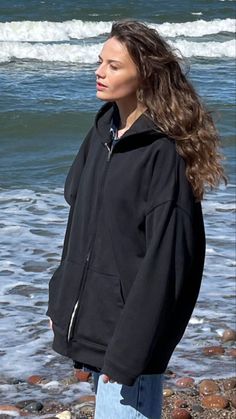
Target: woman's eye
114 67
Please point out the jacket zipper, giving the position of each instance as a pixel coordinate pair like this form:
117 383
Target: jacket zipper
77 303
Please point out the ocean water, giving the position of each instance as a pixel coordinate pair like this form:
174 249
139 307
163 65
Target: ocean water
48 54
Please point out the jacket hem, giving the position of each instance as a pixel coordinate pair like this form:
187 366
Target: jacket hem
80 351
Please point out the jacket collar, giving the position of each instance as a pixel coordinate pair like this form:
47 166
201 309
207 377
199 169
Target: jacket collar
108 116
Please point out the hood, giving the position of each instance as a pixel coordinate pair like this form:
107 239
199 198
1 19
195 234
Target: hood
142 132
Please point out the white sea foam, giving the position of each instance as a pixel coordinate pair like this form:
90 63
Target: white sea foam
49 52
220 332
197 28
88 54
210 251
196 320
45 31
206 49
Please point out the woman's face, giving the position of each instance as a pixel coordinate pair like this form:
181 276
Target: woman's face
117 75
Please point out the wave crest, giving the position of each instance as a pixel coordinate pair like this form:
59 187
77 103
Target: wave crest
44 31
88 54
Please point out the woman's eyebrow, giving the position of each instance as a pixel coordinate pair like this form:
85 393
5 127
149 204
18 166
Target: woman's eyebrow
110 61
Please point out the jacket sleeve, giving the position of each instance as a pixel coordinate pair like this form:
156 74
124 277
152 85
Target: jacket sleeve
159 286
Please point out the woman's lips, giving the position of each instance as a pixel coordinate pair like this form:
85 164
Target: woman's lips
100 86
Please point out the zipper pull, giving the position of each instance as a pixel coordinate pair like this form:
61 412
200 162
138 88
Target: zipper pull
109 151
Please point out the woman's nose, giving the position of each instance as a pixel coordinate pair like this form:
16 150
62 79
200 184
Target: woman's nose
100 71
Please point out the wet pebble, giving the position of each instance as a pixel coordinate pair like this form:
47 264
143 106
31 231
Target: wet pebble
181 403
64 415
34 406
229 335
208 387
181 414
167 392
213 350
23 403
229 384
8 409
192 392
81 375
197 408
232 352
35 379
215 402
185 382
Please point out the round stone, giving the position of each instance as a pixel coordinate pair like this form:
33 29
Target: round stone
208 387
215 402
185 382
8 407
34 407
213 350
167 392
229 384
232 352
180 414
82 375
35 379
229 335
181 403
64 415
197 408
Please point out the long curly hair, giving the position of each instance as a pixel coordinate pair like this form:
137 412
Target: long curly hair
173 103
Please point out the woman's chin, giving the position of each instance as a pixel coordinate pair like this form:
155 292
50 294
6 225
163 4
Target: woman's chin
102 95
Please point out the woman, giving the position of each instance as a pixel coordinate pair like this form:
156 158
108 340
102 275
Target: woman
134 248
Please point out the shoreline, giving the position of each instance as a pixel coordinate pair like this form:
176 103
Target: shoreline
183 397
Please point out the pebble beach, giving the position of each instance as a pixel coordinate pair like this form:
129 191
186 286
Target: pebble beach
184 397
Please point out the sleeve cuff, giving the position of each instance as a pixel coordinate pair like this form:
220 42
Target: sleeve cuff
116 373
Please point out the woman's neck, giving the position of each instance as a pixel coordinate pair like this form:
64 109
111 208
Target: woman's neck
129 112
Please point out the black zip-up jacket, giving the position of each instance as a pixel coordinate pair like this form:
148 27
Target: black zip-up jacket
133 252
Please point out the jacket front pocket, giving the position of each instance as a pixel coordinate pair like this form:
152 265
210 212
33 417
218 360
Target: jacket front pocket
100 307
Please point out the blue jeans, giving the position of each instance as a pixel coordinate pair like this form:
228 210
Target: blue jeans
141 400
